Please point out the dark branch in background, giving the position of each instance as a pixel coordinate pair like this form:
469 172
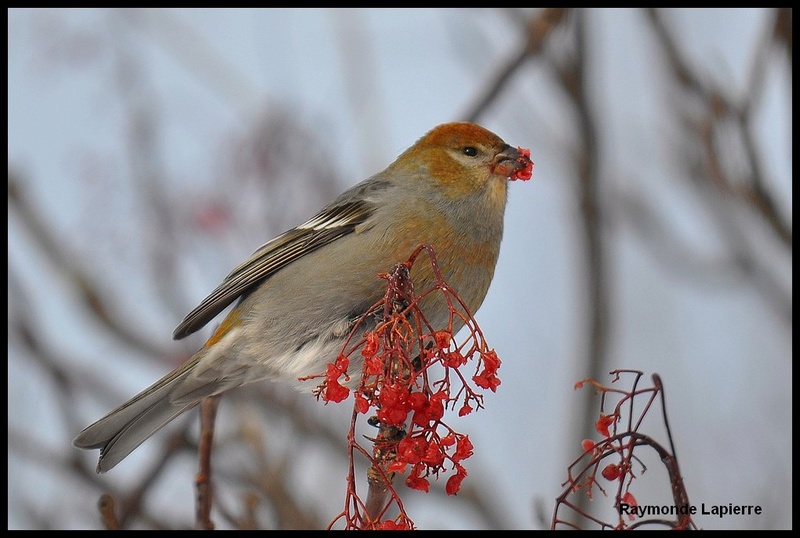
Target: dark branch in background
747 194
268 476
68 378
157 223
538 30
574 80
749 190
108 512
133 503
204 485
148 176
783 33
56 250
572 76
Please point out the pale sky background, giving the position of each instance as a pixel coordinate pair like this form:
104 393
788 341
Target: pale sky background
724 358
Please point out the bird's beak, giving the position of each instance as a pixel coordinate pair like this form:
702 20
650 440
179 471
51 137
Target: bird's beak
513 163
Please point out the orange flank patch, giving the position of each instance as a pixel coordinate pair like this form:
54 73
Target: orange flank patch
223 329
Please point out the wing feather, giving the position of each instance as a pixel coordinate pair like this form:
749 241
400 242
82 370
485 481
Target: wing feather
328 225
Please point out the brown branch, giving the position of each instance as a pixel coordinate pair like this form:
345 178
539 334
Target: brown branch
782 32
758 195
538 29
269 475
719 106
108 515
53 248
573 78
132 503
203 484
729 200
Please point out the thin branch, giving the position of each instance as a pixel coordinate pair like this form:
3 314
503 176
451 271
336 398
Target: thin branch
573 78
538 30
205 488
54 249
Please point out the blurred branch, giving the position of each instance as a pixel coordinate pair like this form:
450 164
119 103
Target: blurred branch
148 177
108 512
359 77
62 372
68 379
719 106
573 75
55 250
133 503
190 49
538 29
271 475
733 202
203 484
783 32
674 254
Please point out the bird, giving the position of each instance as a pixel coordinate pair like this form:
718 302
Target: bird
298 295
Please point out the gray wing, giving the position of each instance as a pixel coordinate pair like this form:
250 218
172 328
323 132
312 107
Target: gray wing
328 225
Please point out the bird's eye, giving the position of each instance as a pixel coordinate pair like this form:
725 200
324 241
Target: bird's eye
469 151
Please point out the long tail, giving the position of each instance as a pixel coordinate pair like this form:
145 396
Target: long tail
128 426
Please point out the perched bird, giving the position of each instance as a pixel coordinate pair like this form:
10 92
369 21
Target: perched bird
299 294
